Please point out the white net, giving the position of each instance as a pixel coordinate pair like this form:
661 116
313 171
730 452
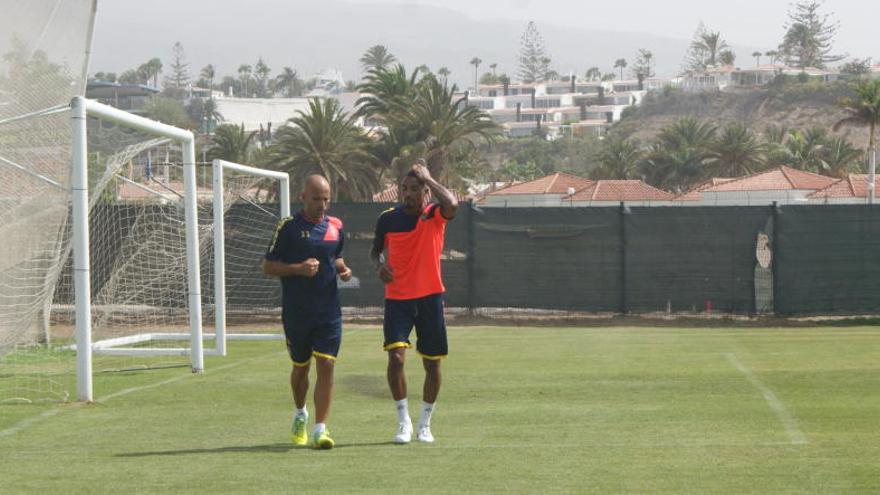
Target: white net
251 216
43 58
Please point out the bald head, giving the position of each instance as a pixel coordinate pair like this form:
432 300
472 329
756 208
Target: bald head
315 197
316 182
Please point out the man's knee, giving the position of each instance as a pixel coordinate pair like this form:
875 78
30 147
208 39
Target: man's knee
432 366
396 358
324 365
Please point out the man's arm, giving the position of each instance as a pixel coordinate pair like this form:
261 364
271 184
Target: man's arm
448 203
382 269
308 268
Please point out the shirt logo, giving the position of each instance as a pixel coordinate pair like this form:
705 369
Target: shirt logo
332 233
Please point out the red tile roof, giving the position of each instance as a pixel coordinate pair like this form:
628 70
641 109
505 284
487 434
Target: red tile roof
389 195
557 183
853 186
620 190
694 193
777 179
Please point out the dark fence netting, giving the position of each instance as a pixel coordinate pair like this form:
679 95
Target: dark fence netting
787 260
553 258
691 259
828 260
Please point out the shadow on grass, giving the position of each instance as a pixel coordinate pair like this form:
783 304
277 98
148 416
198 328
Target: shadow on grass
275 448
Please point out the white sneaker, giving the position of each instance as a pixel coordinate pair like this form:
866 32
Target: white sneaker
404 433
424 434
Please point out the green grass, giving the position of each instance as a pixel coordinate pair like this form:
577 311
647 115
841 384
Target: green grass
522 410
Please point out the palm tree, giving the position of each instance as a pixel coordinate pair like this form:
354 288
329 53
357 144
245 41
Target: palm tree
377 57
289 82
436 125
620 64
865 112
757 56
382 86
231 143
210 115
208 73
737 151
804 150
711 45
593 74
423 69
262 72
244 73
773 54
680 156
444 73
327 141
493 67
841 157
619 159
476 61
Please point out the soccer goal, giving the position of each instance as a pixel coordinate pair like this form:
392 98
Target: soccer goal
144 254
248 203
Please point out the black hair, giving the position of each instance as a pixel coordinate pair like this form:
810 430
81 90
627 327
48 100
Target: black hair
414 176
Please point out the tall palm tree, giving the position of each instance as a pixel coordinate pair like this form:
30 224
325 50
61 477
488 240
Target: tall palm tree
865 112
231 143
208 73
493 66
620 64
681 154
773 54
327 141
244 73
439 125
476 61
757 56
261 70
593 74
444 73
377 57
711 45
736 151
289 82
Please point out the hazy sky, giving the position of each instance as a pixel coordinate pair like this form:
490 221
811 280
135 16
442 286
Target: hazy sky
743 22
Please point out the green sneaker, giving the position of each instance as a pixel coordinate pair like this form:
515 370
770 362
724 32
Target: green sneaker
322 440
298 433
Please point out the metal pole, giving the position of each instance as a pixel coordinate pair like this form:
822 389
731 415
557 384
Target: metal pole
284 196
192 254
872 176
82 282
219 262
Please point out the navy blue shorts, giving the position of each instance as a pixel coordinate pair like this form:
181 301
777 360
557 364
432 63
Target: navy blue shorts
426 315
308 336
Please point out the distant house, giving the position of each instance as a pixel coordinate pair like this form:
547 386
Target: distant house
783 185
389 195
129 97
253 112
613 192
851 190
545 191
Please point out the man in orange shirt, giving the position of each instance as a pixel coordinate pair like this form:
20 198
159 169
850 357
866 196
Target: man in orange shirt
406 250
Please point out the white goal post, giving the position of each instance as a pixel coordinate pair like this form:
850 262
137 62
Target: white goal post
219 208
81 109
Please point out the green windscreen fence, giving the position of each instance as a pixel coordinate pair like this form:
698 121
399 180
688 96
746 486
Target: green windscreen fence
787 260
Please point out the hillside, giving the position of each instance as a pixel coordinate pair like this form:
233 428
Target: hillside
792 105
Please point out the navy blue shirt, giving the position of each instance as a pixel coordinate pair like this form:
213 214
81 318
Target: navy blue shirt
296 240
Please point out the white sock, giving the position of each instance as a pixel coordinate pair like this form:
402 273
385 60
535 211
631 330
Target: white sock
427 410
319 427
302 411
402 411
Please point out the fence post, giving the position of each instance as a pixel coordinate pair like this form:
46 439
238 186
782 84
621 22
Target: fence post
774 257
471 263
623 288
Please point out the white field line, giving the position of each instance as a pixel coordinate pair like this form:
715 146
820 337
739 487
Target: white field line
28 422
789 422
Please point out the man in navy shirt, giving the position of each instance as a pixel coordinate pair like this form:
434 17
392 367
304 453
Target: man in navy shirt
305 254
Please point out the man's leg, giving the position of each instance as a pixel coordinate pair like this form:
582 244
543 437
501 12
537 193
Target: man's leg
432 345
325 365
432 380
399 316
299 385
395 374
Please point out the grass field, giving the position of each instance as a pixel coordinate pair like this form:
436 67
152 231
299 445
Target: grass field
522 410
